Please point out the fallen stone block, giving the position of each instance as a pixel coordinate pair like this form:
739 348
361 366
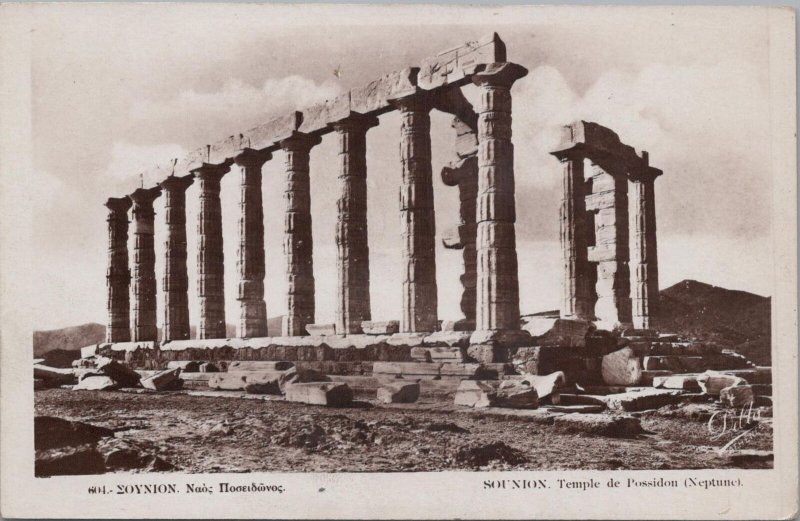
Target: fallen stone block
168 380
642 333
208 367
389 327
123 375
673 363
296 375
547 386
462 370
54 376
582 409
407 368
559 331
580 399
321 329
684 382
737 396
648 376
264 383
331 394
641 400
501 337
621 367
756 375
599 425
398 392
186 366
713 382
488 393
231 381
96 383
257 365
447 340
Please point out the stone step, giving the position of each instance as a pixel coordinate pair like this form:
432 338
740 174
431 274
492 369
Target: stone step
639 400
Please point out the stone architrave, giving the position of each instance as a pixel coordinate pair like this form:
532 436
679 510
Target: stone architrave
644 249
252 306
118 275
417 218
144 262
497 291
210 257
297 242
176 278
610 200
352 259
577 283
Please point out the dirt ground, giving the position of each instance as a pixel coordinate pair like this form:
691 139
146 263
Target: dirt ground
231 434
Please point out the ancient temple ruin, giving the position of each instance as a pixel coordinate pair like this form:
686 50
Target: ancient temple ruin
607 276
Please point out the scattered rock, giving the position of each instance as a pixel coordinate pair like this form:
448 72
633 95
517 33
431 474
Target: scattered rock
621 367
582 409
446 427
168 380
96 383
264 383
489 393
599 425
220 429
684 382
51 432
231 381
331 394
69 461
398 392
190 366
380 328
642 399
478 455
713 382
546 386
737 396
123 375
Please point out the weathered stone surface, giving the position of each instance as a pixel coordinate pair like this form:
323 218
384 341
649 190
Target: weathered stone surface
331 394
51 432
737 396
486 393
186 366
267 135
321 329
455 65
233 381
448 338
458 325
600 425
304 375
567 399
580 409
643 249
621 367
257 365
144 275
458 369
168 380
123 375
208 367
648 376
439 354
713 382
96 383
640 400
118 275
54 376
380 328
176 279
407 368
684 382
547 386
264 383
501 337
398 392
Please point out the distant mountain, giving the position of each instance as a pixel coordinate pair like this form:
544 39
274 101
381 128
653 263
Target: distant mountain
735 319
68 338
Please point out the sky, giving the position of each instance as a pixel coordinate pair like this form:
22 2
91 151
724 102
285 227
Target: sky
118 89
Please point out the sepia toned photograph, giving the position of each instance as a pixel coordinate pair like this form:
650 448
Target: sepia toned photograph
263 241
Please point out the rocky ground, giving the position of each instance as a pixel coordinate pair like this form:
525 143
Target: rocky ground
224 433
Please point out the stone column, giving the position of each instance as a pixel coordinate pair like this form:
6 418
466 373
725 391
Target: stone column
644 249
297 242
252 307
118 276
610 199
352 260
576 300
464 175
417 216
144 265
210 257
176 278
497 277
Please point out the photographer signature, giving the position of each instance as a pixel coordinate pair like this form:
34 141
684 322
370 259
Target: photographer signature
746 421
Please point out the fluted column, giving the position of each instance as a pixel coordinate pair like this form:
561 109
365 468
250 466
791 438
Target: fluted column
176 278
298 247
497 270
611 251
118 276
352 247
252 307
644 249
417 216
576 301
210 257
144 261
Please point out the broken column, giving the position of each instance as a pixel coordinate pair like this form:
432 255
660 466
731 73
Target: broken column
118 276
210 257
417 218
144 265
609 199
176 278
497 278
576 301
352 259
463 173
252 307
643 248
297 242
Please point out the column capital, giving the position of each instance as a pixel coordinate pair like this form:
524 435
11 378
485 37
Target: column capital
421 100
252 158
145 196
119 204
502 74
300 141
456 171
177 184
355 121
208 171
